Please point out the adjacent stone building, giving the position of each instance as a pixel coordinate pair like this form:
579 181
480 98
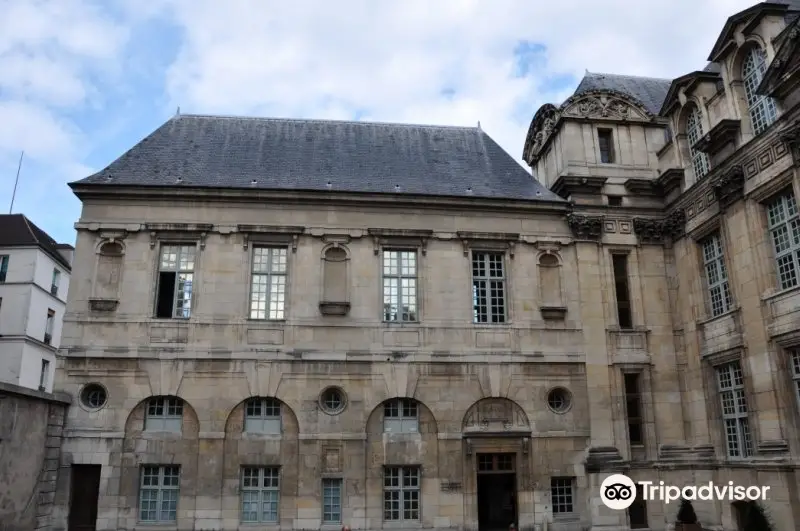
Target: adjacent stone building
298 324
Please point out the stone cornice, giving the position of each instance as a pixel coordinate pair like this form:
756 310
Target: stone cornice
669 180
400 237
659 231
641 186
567 185
585 227
721 134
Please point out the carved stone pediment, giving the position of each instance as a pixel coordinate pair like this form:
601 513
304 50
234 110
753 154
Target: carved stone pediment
658 231
542 127
605 105
495 415
585 227
729 187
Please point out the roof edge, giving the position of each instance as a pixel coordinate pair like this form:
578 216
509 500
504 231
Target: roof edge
758 9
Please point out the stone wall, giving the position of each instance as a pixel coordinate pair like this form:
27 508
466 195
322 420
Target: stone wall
31 423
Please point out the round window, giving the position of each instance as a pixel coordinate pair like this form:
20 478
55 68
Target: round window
94 396
332 400
559 400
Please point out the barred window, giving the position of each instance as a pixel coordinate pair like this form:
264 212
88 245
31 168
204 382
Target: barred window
488 288
158 493
401 415
694 131
331 501
784 226
399 285
762 108
719 295
562 495
734 410
401 493
268 290
261 491
164 413
262 415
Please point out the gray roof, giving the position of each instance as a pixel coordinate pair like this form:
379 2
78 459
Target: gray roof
16 230
650 91
323 155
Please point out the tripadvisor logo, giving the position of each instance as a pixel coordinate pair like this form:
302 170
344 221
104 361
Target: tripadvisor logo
618 492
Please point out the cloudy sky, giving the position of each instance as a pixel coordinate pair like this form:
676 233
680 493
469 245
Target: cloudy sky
81 81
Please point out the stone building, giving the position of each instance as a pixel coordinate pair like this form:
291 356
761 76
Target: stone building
309 324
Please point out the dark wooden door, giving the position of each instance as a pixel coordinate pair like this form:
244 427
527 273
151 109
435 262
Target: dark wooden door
84 491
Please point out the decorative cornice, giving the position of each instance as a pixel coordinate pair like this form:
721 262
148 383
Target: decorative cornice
400 237
659 231
641 186
585 227
499 241
729 187
669 180
270 235
567 185
790 134
720 135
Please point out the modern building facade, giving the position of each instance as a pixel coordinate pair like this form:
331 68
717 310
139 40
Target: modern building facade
294 324
34 282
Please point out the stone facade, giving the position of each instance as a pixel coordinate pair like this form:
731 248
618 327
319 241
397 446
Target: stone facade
602 356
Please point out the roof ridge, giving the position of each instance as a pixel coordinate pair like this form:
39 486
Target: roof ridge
30 230
321 120
627 75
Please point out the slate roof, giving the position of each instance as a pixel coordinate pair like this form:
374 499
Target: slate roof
322 155
650 91
16 230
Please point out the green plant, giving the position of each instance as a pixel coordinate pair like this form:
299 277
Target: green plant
686 514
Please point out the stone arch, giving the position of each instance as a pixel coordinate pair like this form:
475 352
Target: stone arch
134 424
738 57
751 44
606 104
549 264
495 414
686 109
427 421
542 126
234 423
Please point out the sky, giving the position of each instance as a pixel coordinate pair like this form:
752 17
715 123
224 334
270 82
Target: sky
82 81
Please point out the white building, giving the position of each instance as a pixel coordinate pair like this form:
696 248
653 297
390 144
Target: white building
34 280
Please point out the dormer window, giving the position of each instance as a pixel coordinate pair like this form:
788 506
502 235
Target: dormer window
606 141
761 108
694 132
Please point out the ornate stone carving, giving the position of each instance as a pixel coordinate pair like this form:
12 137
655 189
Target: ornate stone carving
542 126
585 227
606 104
729 187
675 223
495 415
790 135
659 231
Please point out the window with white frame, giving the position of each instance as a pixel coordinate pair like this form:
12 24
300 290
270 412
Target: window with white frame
694 132
795 360
488 287
399 285
49 326
175 281
56 280
268 290
164 413
734 410
262 415
562 496
401 493
719 295
158 493
401 415
783 221
261 492
762 108
331 500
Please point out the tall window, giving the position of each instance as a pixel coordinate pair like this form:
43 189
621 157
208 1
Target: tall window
795 360
401 494
55 282
399 285
261 491
562 496
262 415
49 325
268 291
620 265
488 288
401 415
784 226
633 408
3 267
164 413
158 493
694 131
605 140
719 294
762 108
175 279
734 410
331 501
44 375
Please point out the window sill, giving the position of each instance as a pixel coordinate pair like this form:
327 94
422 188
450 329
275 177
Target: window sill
771 295
170 319
261 436
507 324
566 518
402 525
167 526
401 324
259 525
253 320
707 320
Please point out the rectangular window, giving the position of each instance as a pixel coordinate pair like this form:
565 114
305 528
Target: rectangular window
158 493
49 325
488 288
605 140
175 279
562 495
164 413
633 408
261 492
399 285
262 415
55 282
401 415
620 264
268 289
734 410
331 501
401 494
615 200
719 295
784 226
795 360
44 375
637 512
3 267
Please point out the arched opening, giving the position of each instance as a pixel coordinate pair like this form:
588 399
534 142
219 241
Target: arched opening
550 280
694 132
761 109
750 516
335 281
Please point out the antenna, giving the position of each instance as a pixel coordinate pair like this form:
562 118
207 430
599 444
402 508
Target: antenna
16 181
479 125
178 112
